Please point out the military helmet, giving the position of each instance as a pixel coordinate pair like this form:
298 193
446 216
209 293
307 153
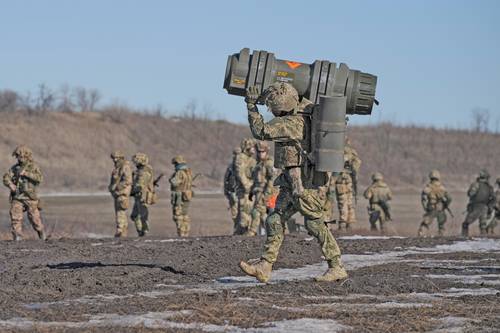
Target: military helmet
117 155
434 174
484 174
22 151
247 144
377 176
262 146
179 159
140 159
281 97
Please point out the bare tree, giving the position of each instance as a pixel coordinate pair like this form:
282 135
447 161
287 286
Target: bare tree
480 119
81 99
45 99
94 96
65 99
8 100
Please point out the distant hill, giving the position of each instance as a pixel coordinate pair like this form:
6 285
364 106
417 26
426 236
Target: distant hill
73 147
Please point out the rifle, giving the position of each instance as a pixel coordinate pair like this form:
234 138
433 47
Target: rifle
354 177
156 182
449 211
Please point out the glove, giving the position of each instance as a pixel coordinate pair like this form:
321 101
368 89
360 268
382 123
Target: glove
252 95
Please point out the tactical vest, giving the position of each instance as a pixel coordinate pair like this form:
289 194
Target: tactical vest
290 154
187 184
380 193
483 194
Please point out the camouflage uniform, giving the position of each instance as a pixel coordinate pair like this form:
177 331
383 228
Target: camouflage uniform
481 201
435 199
181 184
262 189
244 165
23 179
230 188
345 185
297 193
378 195
494 221
143 193
120 186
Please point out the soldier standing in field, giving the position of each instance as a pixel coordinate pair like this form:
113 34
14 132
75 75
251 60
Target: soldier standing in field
494 221
262 189
297 192
481 202
23 179
378 195
435 201
120 186
181 183
344 193
143 193
244 165
230 188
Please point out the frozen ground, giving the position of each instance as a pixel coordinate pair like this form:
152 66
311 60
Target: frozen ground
396 284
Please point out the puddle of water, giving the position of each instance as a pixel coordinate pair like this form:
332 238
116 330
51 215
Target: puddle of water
358 237
481 279
163 320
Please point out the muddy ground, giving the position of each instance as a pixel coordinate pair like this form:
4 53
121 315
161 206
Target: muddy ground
73 283
194 285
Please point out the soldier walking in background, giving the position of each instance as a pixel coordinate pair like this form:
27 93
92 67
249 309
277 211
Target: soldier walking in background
181 183
262 189
344 192
244 165
481 202
435 201
230 187
143 193
494 221
354 164
23 179
120 186
378 195
297 191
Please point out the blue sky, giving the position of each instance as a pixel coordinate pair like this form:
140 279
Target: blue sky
435 60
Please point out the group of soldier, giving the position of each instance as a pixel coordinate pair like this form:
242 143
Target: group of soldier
25 176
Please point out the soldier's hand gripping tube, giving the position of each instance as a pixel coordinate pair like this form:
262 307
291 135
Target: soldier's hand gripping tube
329 126
321 78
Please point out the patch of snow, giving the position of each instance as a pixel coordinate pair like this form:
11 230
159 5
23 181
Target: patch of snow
481 279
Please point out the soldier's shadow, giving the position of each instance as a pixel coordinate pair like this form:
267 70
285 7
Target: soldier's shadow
83 265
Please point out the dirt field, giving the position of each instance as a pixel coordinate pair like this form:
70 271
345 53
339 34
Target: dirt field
163 284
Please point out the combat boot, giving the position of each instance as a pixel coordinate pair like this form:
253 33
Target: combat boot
261 269
41 235
483 231
333 274
440 232
17 237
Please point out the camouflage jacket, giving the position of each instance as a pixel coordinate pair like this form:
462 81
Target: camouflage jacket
182 179
243 167
290 134
121 179
352 158
26 185
481 192
435 197
263 177
341 182
142 186
378 192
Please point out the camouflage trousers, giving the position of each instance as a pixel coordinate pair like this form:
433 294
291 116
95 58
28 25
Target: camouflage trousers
17 209
328 208
180 214
376 214
345 204
259 214
428 218
310 204
477 212
122 204
232 200
493 223
140 216
244 218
